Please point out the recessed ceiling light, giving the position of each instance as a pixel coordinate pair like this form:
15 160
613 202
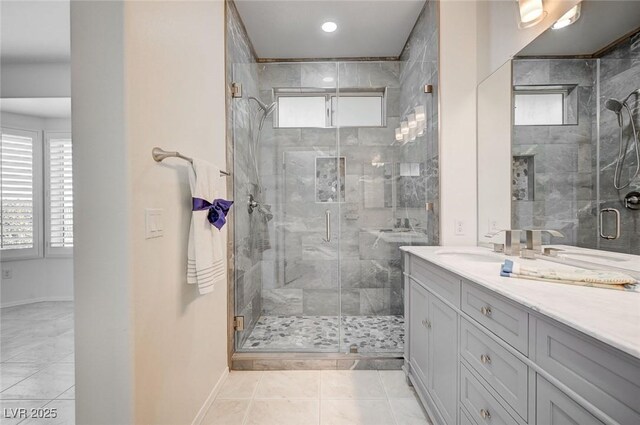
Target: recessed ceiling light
329 26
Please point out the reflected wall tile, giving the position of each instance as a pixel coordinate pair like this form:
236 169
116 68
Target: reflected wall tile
319 302
282 302
276 75
319 74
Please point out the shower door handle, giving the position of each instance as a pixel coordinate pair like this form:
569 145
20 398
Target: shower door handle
327 225
617 214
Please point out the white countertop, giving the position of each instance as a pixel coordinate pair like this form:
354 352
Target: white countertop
610 316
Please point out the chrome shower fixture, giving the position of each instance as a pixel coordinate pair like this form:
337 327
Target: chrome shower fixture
266 109
617 106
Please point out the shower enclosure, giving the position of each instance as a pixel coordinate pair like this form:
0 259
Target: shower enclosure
342 173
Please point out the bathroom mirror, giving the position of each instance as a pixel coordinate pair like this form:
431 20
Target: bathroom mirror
550 126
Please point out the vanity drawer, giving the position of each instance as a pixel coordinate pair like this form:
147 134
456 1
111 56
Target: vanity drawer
608 379
553 407
502 370
504 319
481 405
438 280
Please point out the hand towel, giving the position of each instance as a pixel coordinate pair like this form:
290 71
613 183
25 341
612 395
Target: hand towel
593 278
206 263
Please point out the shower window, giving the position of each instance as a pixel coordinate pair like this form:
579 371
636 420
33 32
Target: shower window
318 108
545 105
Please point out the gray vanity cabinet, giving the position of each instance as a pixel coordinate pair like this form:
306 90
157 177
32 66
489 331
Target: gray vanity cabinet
477 357
433 349
443 358
553 407
418 331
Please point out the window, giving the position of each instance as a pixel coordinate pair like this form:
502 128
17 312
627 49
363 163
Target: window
545 105
318 108
59 194
20 194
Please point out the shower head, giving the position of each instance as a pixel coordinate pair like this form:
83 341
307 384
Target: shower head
636 92
613 105
266 109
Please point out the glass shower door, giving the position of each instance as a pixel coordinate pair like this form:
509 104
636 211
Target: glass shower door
287 245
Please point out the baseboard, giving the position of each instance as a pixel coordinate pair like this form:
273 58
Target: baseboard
212 396
34 300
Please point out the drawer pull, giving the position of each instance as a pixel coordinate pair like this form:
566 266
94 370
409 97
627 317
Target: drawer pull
486 311
484 414
484 358
426 324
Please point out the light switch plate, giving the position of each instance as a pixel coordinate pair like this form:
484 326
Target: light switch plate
7 273
154 227
459 230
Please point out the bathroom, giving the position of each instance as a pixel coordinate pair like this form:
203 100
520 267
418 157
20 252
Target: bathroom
435 212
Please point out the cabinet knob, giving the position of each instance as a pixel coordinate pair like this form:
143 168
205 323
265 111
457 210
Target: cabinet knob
426 323
484 358
484 414
486 311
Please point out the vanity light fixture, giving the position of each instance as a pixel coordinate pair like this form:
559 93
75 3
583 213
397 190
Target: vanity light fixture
420 114
568 18
531 13
413 123
329 26
404 127
328 79
398 134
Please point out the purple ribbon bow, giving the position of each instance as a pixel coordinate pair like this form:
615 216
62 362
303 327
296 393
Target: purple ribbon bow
217 210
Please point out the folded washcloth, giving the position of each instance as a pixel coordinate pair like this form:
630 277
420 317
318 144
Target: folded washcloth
595 278
206 262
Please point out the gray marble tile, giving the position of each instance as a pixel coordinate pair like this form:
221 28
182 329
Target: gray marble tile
277 302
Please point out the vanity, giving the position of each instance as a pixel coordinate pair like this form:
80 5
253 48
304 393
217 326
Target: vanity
485 349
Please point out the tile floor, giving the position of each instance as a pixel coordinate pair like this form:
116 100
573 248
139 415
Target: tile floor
37 362
378 334
329 397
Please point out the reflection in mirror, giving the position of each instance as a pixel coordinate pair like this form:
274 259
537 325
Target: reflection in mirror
576 116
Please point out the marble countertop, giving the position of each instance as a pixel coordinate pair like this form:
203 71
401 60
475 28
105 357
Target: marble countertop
610 316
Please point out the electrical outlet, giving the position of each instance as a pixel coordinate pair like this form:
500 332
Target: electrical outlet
459 230
493 226
7 273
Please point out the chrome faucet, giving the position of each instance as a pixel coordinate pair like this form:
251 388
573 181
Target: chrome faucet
533 242
511 244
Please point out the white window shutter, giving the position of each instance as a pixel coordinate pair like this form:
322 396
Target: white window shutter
60 191
17 191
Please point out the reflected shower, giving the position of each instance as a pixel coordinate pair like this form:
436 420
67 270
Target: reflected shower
617 106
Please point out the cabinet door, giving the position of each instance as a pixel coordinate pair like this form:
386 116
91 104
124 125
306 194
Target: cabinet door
553 407
418 330
443 358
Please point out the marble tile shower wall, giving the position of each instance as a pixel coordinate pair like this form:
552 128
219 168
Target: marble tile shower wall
247 258
564 182
619 75
418 67
302 276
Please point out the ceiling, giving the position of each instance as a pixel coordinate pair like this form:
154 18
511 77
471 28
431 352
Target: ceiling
50 107
291 29
34 31
600 24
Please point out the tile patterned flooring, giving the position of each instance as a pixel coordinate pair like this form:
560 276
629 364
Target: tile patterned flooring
328 397
37 362
378 334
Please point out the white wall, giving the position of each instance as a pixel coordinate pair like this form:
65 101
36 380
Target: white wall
458 121
35 80
149 348
41 279
176 100
494 154
102 193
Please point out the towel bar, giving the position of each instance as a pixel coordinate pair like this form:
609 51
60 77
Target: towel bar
159 155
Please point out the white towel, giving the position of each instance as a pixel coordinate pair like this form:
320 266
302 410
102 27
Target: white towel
206 263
